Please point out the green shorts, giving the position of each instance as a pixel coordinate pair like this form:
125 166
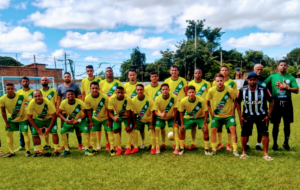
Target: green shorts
189 123
162 123
82 126
118 125
14 126
98 126
41 124
218 122
141 125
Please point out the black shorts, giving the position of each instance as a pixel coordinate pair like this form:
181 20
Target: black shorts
178 118
283 108
262 128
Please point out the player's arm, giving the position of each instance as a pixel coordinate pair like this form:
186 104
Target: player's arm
204 126
89 114
83 95
271 106
181 119
152 125
238 107
134 119
209 108
32 123
111 115
109 120
127 128
175 118
185 87
58 104
62 117
293 88
53 120
4 117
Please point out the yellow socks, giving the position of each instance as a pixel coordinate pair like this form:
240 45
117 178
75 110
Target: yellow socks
234 145
55 147
176 136
93 136
26 140
10 141
163 135
157 135
117 139
129 139
135 138
99 137
111 139
64 139
181 142
214 146
220 138
47 141
228 138
39 148
206 144
152 139
86 137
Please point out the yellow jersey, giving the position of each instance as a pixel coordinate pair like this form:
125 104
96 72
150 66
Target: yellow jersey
98 104
26 93
120 106
193 109
166 105
153 91
74 111
177 87
222 101
143 108
131 89
109 88
43 111
86 84
201 87
50 94
230 83
15 107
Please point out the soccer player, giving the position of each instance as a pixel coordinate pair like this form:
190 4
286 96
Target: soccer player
255 111
165 107
142 115
222 111
283 85
14 104
75 118
231 84
62 95
85 89
1 151
119 108
202 87
153 90
96 104
45 118
51 95
193 112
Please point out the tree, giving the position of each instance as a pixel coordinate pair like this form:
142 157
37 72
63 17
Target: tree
293 56
252 57
9 61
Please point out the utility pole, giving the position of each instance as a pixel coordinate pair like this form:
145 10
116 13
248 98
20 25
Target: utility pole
66 62
34 59
221 56
195 43
55 74
16 56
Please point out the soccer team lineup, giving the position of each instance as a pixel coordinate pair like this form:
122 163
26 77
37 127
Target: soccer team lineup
106 106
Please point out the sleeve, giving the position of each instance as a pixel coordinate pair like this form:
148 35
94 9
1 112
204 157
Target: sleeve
232 93
155 104
181 107
87 104
205 108
62 105
110 104
59 92
30 107
52 109
268 95
55 96
266 82
209 95
294 83
77 91
82 86
240 96
1 104
214 83
129 104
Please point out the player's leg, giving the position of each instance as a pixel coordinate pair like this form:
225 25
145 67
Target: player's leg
22 143
55 138
193 134
200 122
129 136
158 125
24 125
263 131
99 140
246 132
94 134
37 139
66 128
231 124
1 151
188 124
135 137
83 129
220 145
228 147
163 138
259 139
13 126
79 139
215 124
142 133
116 129
176 135
288 117
111 138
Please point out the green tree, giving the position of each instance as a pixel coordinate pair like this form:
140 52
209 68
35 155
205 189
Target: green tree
9 61
252 57
293 57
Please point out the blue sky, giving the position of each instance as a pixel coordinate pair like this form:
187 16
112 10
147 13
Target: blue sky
92 31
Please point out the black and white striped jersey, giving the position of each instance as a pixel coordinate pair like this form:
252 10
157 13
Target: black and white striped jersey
255 103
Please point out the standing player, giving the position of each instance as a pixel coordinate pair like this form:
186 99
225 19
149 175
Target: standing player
96 104
45 118
75 118
14 104
231 84
255 111
283 84
61 95
222 111
142 115
51 95
193 112
119 108
202 87
165 107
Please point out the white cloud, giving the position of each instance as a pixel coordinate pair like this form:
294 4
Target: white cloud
4 4
260 40
112 40
91 58
20 39
21 5
156 53
58 53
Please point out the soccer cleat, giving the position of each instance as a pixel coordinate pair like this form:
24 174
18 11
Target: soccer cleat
149 147
142 146
80 147
247 147
207 153
119 151
134 150
153 151
181 151
163 147
275 147
93 153
38 154
21 148
46 147
176 151
1 153
28 153
98 147
86 152
107 146
8 155
236 153
56 153
157 151
213 152
286 147
62 148
228 147
112 152
174 146
184 146
47 154
127 151
258 148
220 146
35 149
192 147
65 153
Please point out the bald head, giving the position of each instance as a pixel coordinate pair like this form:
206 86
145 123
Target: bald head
38 96
44 82
258 69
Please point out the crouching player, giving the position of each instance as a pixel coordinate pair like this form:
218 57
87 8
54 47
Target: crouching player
221 111
193 111
45 118
75 110
142 115
119 108
96 106
165 107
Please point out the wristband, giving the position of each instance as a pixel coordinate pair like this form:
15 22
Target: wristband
289 88
79 120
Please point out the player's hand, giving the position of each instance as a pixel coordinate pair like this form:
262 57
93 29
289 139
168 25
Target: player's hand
204 127
285 86
46 134
40 132
6 127
69 122
128 128
75 122
242 120
116 118
277 84
267 119
109 123
163 114
152 127
175 124
135 126
91 124
182 128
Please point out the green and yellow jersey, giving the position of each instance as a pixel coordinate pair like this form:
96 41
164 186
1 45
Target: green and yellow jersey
222 101
143 108
109 88
50 94
15 107
43 111
131 89
153 91
230 83
26 93
177 87
120 106
74 111
86 84
201 87
166 105
99 105
194 109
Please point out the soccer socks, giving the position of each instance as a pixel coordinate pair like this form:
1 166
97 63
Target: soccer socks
111 140
220 137
135 138
157 135
287 132
86 138
129 139
79 138
64 139
181 143
214 146
93 141
234 145
10 141
176 136
117 139
163 135
152 139
206 144
228 138
39 148
26 140
55 147
47 141
99 137
275 133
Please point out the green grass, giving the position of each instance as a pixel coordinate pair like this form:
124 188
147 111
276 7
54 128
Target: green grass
193 170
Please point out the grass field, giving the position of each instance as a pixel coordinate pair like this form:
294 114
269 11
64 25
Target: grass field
193 170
